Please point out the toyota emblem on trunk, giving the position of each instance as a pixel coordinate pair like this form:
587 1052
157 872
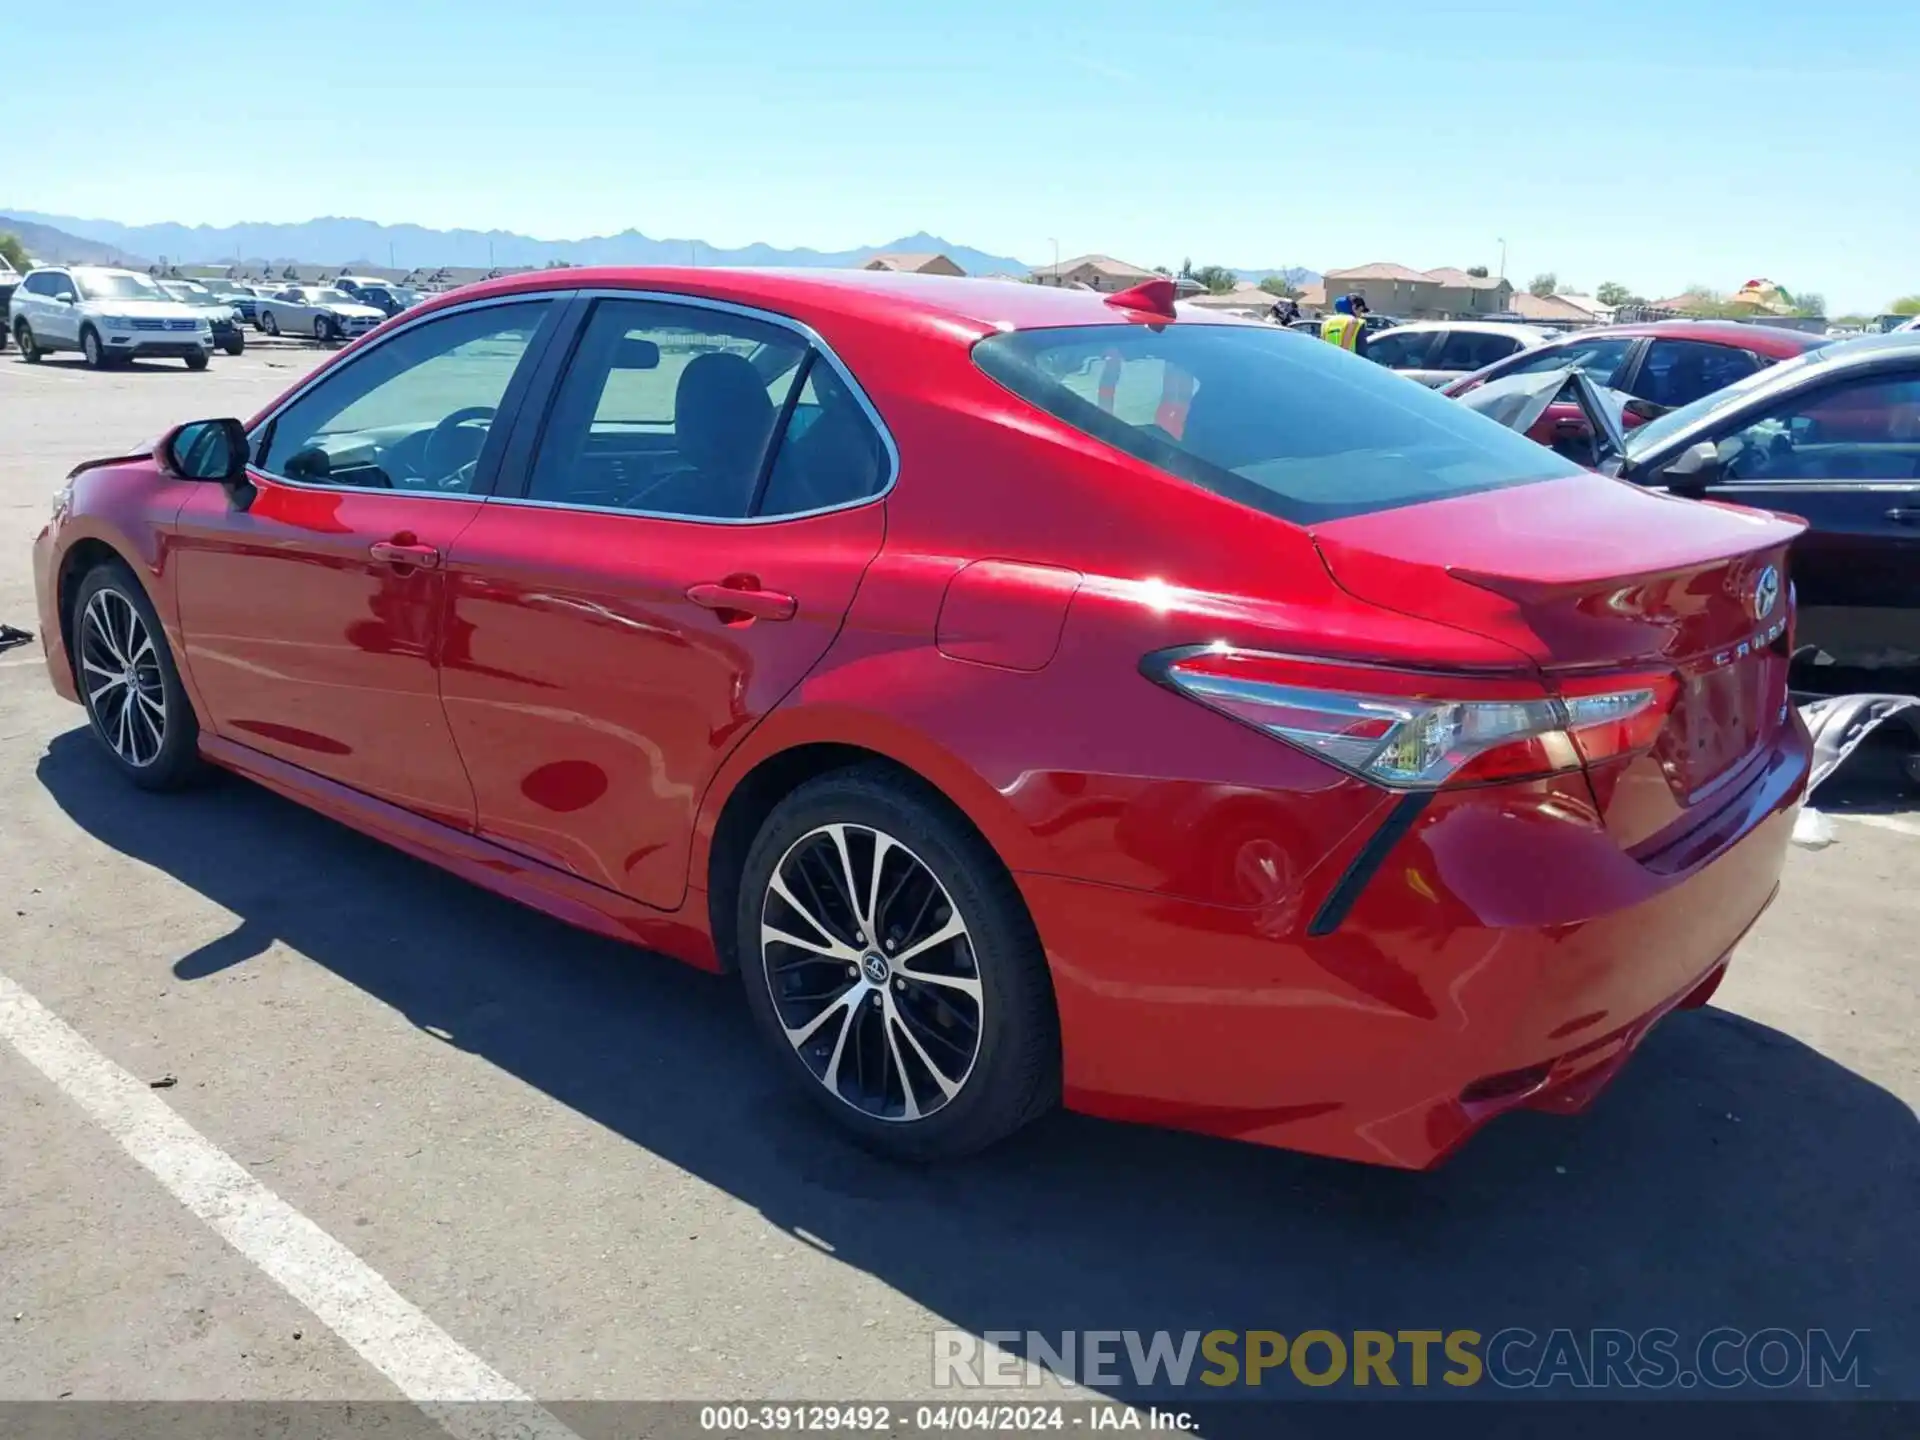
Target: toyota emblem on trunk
1766 593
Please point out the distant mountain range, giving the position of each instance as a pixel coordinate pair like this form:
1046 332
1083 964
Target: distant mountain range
45 242
334 241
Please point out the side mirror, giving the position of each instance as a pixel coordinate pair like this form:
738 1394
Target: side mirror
206 450
67 297
1693 469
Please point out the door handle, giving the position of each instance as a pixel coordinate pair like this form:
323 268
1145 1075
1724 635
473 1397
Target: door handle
395 552
745 600
1901 515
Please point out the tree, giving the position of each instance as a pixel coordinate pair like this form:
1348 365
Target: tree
1281 286
1545 283
1613 294
1809 304
1906 305
14 252
1479 272
1163 270
1217 278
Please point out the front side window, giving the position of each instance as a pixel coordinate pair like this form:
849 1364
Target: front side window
670 409
1679 372
1868 430
1599 359
411 414
1304 432
46 282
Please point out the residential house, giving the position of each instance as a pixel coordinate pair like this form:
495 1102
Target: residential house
1093 272
912 263
1448 293
1243 299
1389 289
1552 310
1463 296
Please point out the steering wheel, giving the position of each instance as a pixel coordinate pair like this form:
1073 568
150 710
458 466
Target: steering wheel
446 468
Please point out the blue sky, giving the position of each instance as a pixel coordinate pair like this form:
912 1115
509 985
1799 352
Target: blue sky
1651 143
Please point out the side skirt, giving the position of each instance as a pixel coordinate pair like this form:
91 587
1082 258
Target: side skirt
480 862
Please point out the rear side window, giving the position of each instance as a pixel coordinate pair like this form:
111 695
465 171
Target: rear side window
1473 350
1679 372
1305 432
1405 351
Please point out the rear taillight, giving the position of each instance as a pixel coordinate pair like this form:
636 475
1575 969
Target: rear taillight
1412 731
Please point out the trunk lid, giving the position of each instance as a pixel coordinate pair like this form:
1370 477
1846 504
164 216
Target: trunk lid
1593 578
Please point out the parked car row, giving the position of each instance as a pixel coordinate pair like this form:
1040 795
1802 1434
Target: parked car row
1829 434
110 314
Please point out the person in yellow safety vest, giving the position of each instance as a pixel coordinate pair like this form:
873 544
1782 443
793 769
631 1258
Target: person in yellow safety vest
1347 326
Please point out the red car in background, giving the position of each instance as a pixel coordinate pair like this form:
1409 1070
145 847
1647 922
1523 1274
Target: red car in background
1662 365
1035 695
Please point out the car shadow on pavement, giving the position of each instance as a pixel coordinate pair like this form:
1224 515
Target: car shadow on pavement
1731 1177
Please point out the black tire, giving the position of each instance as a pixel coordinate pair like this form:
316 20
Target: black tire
92 347
195 362
175 762
267 323
1014 1074
236 345
29 347
325 330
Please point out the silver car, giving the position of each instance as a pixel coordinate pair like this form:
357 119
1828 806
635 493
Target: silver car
316 310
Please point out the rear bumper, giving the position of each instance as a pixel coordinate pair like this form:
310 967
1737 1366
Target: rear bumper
1505 954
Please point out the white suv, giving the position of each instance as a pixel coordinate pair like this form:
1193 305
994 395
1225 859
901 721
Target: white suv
107 315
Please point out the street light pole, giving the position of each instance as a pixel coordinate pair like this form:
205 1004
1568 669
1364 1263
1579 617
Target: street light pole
1056 259
1503 259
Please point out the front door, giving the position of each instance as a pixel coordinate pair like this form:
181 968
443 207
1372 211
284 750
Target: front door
312 615
1847 460
690 529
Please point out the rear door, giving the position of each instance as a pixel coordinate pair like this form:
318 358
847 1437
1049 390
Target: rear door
677 540
1845 458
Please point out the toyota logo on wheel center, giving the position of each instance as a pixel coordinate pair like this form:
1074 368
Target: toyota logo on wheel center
876 969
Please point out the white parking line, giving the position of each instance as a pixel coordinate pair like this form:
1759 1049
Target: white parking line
464 1395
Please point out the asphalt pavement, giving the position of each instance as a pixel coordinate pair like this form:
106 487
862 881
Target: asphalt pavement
289 1115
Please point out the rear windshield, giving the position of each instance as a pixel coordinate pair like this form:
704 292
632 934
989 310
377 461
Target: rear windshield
1275 420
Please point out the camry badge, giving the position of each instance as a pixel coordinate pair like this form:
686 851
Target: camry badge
1766 593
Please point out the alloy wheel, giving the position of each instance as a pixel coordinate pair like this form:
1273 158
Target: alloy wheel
91 346
872 972
120 670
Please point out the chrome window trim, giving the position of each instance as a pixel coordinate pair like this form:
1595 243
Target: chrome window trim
800 328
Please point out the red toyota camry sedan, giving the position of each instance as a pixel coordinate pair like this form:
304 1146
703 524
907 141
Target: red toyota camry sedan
1037 697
